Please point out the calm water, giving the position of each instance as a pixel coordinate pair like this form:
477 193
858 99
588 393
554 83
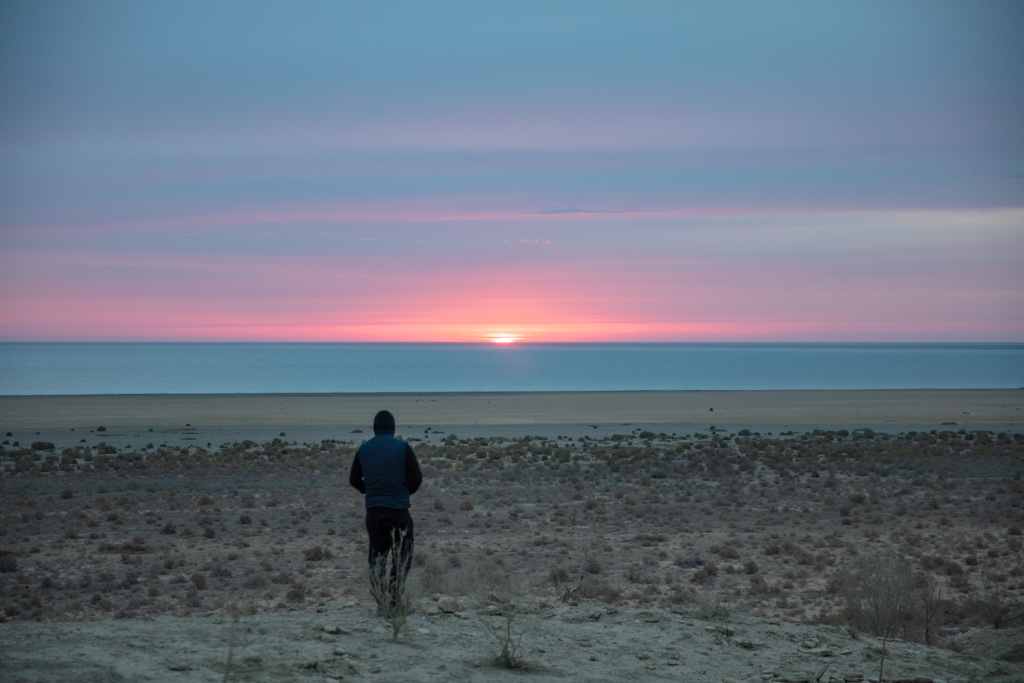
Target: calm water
40 369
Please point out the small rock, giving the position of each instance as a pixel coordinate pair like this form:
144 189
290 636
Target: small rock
448 604
335 631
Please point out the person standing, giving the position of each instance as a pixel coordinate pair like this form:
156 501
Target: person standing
386 471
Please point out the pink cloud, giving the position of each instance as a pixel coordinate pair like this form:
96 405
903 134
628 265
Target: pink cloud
279 298
724 281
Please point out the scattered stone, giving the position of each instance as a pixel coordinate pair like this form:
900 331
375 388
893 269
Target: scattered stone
336 631
448 604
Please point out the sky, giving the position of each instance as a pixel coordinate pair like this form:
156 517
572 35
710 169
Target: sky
533 171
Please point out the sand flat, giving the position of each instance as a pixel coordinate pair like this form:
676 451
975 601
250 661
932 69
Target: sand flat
994 409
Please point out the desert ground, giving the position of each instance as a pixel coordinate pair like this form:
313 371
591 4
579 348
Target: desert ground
696 536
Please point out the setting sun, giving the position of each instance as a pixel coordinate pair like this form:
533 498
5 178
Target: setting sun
503 339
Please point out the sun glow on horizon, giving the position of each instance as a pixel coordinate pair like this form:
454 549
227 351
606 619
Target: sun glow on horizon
503 339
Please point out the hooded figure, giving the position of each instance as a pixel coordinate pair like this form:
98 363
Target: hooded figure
386 471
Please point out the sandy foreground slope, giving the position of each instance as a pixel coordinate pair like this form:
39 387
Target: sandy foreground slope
588 641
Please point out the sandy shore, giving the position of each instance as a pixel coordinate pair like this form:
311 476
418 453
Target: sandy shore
65 420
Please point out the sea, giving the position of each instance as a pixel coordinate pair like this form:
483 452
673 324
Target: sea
306 368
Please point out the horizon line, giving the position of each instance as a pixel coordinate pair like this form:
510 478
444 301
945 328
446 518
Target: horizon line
518 342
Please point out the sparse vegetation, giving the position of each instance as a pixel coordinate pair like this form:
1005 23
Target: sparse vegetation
770 519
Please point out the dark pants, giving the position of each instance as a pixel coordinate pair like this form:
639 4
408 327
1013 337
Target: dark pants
390 531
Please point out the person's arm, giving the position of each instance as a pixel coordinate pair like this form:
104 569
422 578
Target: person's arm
355 476
413 475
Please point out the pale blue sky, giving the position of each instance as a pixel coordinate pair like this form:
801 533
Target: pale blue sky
143 144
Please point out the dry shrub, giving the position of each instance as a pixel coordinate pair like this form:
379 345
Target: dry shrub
508 658
297 592
726 552
881 597
8 562
705 573
389 585
318 553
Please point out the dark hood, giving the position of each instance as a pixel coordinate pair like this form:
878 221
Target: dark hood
384 423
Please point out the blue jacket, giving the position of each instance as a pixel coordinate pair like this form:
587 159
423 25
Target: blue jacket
386 470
